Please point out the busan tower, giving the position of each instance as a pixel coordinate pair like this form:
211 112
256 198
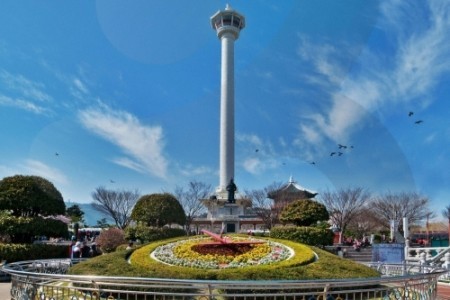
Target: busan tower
227 24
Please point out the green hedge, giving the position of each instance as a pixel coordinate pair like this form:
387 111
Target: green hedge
148 234
20 252
312 236
22 229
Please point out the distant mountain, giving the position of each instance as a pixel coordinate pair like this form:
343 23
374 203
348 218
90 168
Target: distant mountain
91 216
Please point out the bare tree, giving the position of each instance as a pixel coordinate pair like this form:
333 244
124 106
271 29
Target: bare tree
345 205
190 200
117 204
364 223
446 214
263 206
410 205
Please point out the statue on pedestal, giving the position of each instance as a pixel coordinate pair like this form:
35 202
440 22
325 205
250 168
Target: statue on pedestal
231 188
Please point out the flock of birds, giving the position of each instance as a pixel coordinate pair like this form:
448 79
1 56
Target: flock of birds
341 150
410 114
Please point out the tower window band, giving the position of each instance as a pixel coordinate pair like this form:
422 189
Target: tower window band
228 20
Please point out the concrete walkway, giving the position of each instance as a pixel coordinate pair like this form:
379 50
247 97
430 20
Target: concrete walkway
5 287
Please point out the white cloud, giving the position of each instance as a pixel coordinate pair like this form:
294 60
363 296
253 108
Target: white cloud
130 164
22 93
38 168
143 144
80 86
322 56
311 135
420 57
26 88
22 104
252 165
190 170
431 138
249 138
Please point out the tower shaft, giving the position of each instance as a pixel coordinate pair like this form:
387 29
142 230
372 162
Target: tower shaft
227 24
227 111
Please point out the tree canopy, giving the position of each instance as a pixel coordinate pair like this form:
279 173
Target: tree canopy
75 213
30 196
158 210
304 212
30 204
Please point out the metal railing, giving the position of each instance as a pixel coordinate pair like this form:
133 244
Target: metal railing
47 279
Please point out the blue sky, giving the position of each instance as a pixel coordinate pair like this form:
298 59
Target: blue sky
126 94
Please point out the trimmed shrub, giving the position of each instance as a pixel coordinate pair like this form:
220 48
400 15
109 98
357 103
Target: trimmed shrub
148 234
158 210
304 212
20 252
28 200
109 239
23 229
312 236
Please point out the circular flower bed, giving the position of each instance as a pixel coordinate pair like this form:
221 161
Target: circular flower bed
198 253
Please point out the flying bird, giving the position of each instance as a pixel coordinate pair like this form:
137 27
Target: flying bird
332 153
112 181
313 163
419 121
342 146
340 153
256 150
56 154
410 114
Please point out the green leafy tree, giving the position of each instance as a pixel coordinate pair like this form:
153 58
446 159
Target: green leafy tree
158 210
305 212
75 213
30 196
30 203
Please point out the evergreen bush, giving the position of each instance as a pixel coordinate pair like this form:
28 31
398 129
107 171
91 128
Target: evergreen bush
312 236
147 234
21 252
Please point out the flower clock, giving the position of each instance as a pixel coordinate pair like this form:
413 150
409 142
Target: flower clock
201 253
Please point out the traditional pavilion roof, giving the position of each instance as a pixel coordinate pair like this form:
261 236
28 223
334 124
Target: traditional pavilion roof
292 190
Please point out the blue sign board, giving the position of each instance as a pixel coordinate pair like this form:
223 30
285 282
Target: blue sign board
390 253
